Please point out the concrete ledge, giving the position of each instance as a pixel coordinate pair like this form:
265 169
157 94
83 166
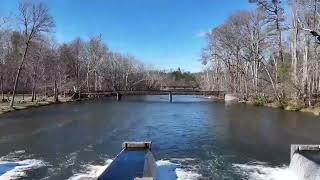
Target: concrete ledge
305 161
231 98
303 147
134 144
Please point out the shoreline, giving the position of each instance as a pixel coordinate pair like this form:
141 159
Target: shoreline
310 110
290 106
26 104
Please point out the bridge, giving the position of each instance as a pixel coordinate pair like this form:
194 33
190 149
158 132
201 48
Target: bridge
170 93
179 87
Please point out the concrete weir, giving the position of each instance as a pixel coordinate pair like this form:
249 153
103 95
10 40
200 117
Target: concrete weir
231 98
135 162
305 161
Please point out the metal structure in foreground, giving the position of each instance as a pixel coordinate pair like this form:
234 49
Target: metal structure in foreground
298 148
135 162
305 161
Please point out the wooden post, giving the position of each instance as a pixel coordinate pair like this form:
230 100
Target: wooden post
119 96
170 97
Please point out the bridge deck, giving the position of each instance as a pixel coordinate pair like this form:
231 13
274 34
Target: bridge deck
160 92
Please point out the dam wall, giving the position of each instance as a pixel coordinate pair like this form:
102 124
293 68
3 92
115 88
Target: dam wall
305 161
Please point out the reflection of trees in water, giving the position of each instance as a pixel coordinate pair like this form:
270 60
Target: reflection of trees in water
270 130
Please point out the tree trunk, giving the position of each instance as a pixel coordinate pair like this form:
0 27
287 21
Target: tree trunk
35 93
279 34
272 82
55 92
315 46
275 61
95 81
18 74
2 93
33 89
126 86
45 91
305 67
25 87
294 47
88 85
32 94
246 89
256 76
309 94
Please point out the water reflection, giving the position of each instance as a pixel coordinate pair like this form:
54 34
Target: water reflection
214 136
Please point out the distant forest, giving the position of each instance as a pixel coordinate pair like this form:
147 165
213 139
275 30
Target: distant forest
270 53
32 62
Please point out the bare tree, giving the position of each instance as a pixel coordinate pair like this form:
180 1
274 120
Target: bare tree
34 19
3 21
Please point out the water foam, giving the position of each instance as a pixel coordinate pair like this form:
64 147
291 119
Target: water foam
13 156
18 169
91 171
261 171
166 170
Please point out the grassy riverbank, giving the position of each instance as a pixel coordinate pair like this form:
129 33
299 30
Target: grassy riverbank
290 105
25 103
286 104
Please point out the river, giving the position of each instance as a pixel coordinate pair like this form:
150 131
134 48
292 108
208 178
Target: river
193 138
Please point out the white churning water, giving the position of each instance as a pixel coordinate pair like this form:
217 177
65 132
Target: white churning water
18 169
261 171
166 170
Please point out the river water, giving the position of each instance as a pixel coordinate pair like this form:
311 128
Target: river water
193 138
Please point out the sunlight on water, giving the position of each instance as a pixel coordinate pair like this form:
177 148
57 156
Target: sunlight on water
261 171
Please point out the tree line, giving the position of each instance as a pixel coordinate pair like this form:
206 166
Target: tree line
271 52
32 62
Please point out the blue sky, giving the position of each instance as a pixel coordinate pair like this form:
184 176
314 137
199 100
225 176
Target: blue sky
162 33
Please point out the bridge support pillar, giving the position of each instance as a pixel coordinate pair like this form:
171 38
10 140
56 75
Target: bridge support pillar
170 97
119 96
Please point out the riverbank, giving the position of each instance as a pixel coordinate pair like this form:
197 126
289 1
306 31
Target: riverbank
288 106
26 103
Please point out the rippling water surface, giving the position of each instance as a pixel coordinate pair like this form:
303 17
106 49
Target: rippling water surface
193 138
